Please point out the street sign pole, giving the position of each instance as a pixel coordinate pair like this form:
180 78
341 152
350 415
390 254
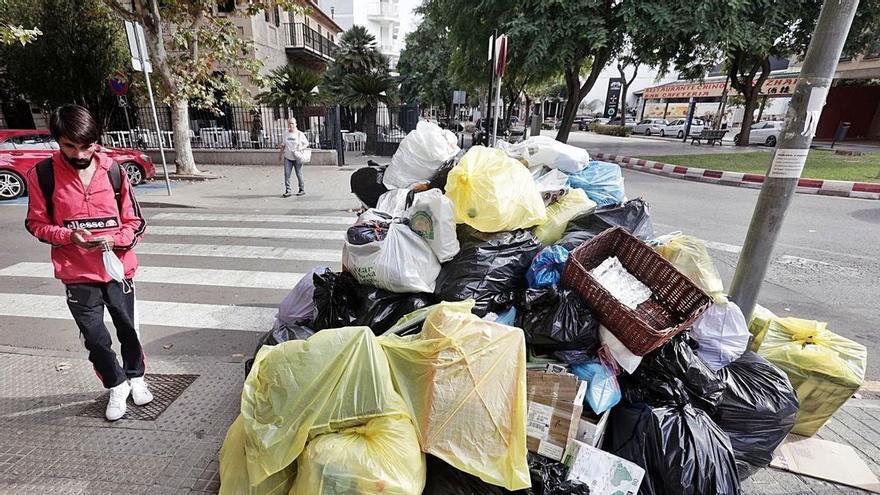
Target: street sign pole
141 58
793 145
124 104
491 82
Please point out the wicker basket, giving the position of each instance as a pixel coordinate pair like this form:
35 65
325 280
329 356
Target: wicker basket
675 304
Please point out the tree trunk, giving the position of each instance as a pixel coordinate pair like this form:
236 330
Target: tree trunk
573 87
186 164
623 91
369 123
748 119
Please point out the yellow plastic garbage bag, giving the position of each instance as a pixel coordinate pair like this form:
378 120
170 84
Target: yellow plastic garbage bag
299 389
690 256
465 381
573 204
824 368
381 457
233 468
758 325
493 192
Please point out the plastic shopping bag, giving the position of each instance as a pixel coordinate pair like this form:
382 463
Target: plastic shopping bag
299 307
722 334
297 390
603 392
573 204
690 256
544 151
381 457
546 268
402 262
824 368
395 202
465 381
602 181
493 192
421 153
432 216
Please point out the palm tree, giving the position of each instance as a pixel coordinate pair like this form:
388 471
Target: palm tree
367 91
291 86
357 51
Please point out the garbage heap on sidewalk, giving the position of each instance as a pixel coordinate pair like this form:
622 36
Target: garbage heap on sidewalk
506 320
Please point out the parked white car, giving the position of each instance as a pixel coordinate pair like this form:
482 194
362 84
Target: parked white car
676 128
650 126
763 133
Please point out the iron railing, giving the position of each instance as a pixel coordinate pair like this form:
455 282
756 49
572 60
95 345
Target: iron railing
304 37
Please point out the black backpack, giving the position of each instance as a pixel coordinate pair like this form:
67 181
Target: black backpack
46 178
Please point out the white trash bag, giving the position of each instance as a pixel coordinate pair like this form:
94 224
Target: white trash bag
393 202
402 262
432 216
420 155
544 151
722 333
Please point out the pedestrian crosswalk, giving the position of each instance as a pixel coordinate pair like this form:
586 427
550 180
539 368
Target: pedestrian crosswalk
214 271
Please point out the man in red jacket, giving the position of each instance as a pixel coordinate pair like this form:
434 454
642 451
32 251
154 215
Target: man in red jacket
82 216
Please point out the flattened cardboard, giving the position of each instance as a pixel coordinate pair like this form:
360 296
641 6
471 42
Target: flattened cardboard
825 460
556 401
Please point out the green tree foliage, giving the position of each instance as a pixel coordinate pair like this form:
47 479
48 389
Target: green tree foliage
11 31
81 47
424 66
359 78
291 86
197 55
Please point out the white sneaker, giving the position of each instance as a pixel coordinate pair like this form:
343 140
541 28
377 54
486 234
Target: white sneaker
140 394
116 405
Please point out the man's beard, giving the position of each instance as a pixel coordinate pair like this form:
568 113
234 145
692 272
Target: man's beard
78 163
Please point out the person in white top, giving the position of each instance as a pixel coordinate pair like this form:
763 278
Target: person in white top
292 152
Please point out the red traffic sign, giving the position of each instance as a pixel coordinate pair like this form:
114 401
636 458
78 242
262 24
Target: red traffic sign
118 83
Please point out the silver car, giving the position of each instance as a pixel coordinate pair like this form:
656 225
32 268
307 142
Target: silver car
649 126
676 128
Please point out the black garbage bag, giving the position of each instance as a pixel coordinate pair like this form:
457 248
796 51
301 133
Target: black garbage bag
341 301
439 179
336 300
681 449
443 479
281 333
489 268
367 232
634 216
380 309
676 359
548 478
574 356
557 319
366 184
758 408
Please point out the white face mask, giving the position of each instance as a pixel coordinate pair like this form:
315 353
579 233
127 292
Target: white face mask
115 269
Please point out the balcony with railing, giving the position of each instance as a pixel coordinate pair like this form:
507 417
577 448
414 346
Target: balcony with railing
299 37
384 11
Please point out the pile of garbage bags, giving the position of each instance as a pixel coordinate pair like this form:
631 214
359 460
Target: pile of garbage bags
406 371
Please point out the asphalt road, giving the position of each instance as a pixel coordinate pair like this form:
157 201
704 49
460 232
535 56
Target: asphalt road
825 264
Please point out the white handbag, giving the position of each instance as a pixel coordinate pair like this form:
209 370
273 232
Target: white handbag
304 156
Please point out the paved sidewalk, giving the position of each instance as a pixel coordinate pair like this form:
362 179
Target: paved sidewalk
45 447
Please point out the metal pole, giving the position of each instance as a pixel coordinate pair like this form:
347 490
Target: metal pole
137 42
128 122
491 85
496 104
795 138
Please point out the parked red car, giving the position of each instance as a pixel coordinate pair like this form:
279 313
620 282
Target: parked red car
21 149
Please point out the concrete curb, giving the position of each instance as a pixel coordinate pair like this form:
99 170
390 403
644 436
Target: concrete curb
846 189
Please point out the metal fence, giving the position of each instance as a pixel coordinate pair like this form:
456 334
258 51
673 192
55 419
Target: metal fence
233 127
298 35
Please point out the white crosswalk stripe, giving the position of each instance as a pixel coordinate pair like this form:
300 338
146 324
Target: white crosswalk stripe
226 268
177 275
244 252
235 217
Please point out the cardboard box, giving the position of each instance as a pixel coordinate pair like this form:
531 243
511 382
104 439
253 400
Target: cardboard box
592 431
556 401
601 471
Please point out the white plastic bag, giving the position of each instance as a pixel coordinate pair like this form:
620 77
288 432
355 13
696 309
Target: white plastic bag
419 155
432 216
402 262
722 333
393 202
624 357
544 151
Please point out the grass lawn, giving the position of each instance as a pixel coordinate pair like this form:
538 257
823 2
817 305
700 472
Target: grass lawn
821 164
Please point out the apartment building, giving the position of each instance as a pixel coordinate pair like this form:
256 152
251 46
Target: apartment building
382 18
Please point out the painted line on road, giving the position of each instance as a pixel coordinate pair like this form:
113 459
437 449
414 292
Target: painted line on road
244 252
181 276
230 217
160 313
325 235
720 246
